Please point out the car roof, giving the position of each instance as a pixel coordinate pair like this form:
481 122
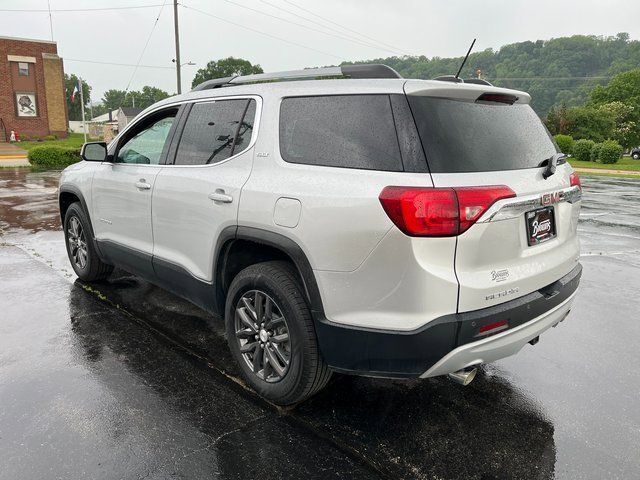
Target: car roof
288 88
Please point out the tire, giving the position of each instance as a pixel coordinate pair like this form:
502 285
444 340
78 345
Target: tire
306 372
636 156
77 238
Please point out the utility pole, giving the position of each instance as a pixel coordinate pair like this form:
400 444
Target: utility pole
50 19
177 34
84 124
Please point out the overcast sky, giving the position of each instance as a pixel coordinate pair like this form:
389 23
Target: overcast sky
384 27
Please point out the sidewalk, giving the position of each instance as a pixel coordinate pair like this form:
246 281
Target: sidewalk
10 150
12 156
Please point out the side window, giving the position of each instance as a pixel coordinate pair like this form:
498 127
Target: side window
148 141
349 131
215 131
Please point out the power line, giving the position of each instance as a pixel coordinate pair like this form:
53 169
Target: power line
258 31
74 10
114 63
144 49
340 35
339 25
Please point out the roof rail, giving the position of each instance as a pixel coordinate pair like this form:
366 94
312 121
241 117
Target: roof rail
454 79
352 71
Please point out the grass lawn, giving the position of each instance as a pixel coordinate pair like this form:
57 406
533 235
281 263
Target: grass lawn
625 163
73 140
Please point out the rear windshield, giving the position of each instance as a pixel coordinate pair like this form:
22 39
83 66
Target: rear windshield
460 136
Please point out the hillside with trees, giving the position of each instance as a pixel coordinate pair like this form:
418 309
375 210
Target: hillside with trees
552 71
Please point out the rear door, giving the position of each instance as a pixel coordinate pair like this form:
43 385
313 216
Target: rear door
520 244
197 194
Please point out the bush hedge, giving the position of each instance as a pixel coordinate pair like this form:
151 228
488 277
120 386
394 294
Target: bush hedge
53 156
582 149
610 152
565 143
595 152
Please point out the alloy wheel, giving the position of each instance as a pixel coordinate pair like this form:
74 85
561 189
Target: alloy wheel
77 243
263 336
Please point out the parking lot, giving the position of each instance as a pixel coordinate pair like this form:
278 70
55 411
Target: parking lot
123 380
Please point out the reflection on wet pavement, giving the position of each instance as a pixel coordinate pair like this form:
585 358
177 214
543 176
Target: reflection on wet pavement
122 379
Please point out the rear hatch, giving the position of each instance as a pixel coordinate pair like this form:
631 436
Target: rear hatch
477 136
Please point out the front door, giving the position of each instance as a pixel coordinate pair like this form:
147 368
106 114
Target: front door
122 190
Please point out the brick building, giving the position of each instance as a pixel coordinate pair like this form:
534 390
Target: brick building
32 94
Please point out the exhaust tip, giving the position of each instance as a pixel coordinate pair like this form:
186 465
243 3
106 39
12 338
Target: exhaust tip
463 377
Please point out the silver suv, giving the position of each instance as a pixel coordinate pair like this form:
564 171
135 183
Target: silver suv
370 224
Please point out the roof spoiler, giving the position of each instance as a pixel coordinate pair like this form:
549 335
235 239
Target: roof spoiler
454 79
372 70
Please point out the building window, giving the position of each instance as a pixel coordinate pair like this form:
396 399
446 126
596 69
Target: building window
23 69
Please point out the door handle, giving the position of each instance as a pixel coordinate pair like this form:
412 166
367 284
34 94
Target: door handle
220 196
142 185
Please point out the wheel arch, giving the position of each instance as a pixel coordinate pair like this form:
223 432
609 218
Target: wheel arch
244 246
68 194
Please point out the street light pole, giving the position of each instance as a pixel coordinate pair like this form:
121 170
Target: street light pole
177 35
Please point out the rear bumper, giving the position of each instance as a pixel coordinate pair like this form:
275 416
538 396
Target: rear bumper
448 343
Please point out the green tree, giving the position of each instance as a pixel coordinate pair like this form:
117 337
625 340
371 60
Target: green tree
557 120
145 97
113 99
590 123
74 108
555 71
625 131
225 68
620 99
624 87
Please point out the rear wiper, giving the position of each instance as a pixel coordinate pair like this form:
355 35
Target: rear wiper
551 163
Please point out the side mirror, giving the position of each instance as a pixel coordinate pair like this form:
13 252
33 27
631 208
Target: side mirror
94 152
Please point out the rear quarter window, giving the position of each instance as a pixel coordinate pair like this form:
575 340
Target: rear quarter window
461 136
348 131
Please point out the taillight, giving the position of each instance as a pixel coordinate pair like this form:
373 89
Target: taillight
474 201
439 212
574 180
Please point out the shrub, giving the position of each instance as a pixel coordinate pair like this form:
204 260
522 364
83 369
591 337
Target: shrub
565 143
610 152
51 137
53 156
582 149
595 152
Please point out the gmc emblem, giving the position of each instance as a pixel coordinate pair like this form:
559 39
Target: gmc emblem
550 198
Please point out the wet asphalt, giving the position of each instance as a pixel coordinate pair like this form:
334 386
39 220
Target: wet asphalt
123 380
